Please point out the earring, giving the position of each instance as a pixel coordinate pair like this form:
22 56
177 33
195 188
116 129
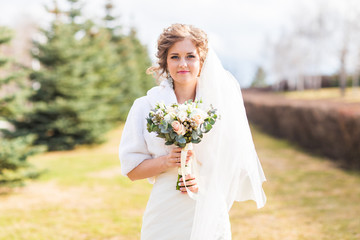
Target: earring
170 80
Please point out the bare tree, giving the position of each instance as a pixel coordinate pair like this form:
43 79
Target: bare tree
349 44
343 61
356 75
299 53
355 27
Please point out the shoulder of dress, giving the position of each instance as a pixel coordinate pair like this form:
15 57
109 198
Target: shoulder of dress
155 90
139 110
159 93
141 103
140 100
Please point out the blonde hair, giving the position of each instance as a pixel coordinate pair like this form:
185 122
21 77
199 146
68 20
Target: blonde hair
175 33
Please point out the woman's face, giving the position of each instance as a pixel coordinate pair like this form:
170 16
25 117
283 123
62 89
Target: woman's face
183 62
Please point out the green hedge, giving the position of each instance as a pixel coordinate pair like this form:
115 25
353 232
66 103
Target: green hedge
327 128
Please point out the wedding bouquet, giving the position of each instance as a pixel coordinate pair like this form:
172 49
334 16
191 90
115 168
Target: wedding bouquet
182 125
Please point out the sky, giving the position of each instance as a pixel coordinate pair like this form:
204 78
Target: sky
237 29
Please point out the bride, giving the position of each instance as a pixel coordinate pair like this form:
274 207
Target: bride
226 168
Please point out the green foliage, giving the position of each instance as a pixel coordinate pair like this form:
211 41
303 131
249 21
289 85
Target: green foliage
259 79
5 35
133 58
193 132
88 79
68 107
13 93
13 165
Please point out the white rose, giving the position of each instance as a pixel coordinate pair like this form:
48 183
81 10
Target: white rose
198 111
182 115
172 115
167 118
198 116
183 108
170 110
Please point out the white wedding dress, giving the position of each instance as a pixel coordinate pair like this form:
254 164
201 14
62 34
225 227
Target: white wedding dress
169 214
227 166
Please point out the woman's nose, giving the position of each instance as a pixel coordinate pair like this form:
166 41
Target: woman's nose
182 63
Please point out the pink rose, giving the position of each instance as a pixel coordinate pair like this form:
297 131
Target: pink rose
198 119
178 127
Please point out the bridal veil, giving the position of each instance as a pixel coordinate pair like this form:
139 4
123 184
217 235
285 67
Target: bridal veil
230 169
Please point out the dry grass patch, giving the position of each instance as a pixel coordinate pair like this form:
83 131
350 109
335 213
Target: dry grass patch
308 197
331 94
82 196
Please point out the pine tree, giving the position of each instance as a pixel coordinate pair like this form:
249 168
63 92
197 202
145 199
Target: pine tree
14 151
135 60
88 79
259 79
132 62
70 106
141 57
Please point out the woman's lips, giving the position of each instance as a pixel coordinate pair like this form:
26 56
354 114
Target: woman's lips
183 72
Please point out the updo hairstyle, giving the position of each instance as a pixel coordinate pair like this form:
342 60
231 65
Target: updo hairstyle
175 33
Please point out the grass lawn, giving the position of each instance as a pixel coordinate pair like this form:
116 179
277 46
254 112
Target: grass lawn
332 94
83 196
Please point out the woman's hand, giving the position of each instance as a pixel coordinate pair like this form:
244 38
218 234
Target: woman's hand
191 185
173 159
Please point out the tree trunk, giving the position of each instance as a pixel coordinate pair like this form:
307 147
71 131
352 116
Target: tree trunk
343 70
355 80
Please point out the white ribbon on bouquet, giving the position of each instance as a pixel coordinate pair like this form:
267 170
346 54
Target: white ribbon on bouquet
189 169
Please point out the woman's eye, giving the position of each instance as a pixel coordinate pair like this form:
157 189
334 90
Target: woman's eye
174 57
191 56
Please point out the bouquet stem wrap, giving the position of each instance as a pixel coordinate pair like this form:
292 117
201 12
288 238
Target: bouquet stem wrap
184 170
